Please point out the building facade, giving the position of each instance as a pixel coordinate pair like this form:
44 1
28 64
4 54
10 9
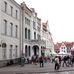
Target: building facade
21 33
64 48
9 31
32 43
46 36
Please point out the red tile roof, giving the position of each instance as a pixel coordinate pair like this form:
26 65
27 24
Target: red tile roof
57 46
67 44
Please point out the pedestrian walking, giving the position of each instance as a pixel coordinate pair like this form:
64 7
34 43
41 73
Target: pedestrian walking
34 59
56 67
60 61
41 59
70 61
65 61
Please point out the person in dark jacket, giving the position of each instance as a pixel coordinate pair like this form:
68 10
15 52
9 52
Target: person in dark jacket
65 58
41 59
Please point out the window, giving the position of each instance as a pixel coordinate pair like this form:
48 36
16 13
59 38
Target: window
25 33
50 50
11 11
34 25
11 29
64 47
38 29
63 50
16 14
35 35
10 55
16 31
27 21
5 27
38 37
29 51
4 52
26 51
5 6
16 48
29 34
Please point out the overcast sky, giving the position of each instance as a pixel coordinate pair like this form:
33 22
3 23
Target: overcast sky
59 13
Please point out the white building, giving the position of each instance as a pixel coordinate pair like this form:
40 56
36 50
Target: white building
9 31
20 33
46 36
32 44
63 48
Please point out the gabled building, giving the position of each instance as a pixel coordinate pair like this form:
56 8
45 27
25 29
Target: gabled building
47 37
64 47
57 47
32 43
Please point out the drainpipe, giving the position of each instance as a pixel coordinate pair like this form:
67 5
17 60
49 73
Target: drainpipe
22 28
21 37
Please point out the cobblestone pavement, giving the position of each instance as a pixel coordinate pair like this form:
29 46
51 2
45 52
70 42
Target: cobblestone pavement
35 69
70 72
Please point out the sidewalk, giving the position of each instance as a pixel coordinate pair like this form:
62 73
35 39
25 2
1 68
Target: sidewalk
31 68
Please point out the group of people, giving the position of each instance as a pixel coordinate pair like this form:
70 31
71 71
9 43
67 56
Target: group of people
36 59
59 61
63 61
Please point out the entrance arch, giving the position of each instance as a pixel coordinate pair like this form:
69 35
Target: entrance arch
35 50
